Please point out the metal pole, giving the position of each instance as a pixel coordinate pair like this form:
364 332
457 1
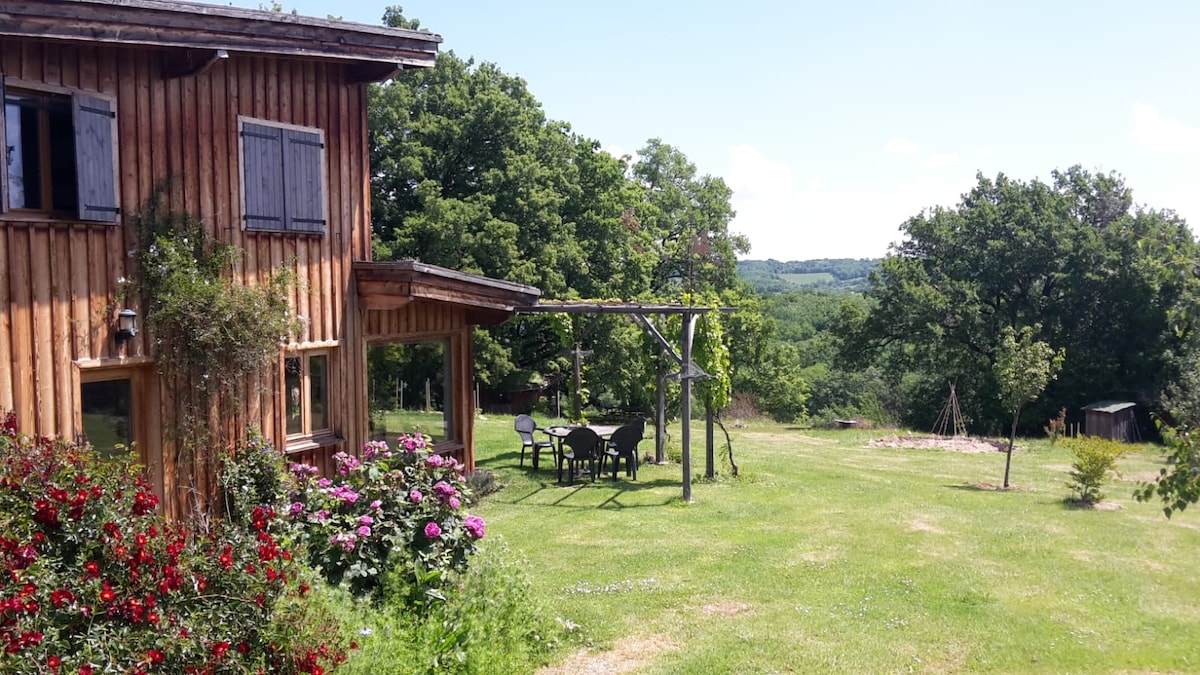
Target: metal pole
685 377
660 415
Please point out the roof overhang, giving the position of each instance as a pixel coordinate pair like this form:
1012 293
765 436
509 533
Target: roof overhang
394 284
211 31
634 308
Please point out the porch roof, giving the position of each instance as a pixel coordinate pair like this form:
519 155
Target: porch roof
394 284
211 31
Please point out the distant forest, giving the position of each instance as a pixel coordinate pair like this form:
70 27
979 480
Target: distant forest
835 274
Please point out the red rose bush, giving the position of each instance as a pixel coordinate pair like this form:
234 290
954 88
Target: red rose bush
93 579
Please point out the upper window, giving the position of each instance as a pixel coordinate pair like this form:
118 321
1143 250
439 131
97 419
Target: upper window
283 177
58 154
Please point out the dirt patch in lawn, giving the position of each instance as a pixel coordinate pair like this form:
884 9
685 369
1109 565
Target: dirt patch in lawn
724 609
627 656
965 444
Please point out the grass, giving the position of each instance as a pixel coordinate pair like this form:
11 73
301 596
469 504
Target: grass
828 555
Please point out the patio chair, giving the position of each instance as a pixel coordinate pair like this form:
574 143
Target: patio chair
623 445
525 426
580 445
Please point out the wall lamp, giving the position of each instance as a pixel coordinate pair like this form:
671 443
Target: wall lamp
126 324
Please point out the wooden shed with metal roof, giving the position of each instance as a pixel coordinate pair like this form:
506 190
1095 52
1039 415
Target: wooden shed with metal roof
1115 420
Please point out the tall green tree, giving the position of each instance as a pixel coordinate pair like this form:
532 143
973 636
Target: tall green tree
1073 255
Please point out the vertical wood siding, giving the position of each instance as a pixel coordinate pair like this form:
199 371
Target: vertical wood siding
59 284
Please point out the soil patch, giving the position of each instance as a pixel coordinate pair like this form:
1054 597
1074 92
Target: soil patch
725 609
965 444
629 655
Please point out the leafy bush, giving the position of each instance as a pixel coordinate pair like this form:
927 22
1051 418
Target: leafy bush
490 623
1056 428
394 516
1178 484
93 580
252 476
1095 459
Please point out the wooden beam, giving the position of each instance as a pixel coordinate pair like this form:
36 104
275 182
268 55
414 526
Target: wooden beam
190 62
364 72
211 27
383 301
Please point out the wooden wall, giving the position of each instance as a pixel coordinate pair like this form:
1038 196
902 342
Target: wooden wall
58 287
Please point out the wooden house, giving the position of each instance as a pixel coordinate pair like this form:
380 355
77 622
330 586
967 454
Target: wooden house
1114 420
258 121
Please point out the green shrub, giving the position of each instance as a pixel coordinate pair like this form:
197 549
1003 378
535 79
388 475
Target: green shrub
1056 428
252 476
1178 483
489 623
1095 460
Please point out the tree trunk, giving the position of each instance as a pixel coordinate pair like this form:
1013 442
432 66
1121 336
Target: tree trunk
1012 435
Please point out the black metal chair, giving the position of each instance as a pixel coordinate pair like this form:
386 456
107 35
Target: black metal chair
623 445
580 445
526 426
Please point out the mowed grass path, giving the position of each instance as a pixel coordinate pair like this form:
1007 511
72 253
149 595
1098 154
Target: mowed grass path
828 555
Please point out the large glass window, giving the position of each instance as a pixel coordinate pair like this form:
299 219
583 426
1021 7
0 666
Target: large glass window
409 386
107 407
306 388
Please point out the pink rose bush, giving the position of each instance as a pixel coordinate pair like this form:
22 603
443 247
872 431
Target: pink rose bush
396 512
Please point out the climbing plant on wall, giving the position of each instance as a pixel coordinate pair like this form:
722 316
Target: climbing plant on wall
210 335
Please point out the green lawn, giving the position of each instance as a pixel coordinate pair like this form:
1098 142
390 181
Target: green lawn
828 555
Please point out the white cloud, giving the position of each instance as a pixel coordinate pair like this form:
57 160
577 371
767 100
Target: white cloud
617 151
786 221
1158 133
938 160
901 146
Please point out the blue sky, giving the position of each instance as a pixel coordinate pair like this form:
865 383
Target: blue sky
834 122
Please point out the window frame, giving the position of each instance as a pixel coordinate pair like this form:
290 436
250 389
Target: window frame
450 423
299 159
139 400
307 435
96 158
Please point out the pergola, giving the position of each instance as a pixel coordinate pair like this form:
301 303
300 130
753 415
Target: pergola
688 370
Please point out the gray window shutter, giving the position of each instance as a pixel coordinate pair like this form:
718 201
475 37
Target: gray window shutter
95 171
262 168
304 180
3 152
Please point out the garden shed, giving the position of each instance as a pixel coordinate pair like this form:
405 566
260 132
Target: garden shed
1112 419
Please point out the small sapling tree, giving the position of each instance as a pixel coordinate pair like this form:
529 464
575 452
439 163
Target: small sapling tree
1024 367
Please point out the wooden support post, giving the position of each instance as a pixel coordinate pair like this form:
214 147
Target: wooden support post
685 404
710 469
577 400
660 414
